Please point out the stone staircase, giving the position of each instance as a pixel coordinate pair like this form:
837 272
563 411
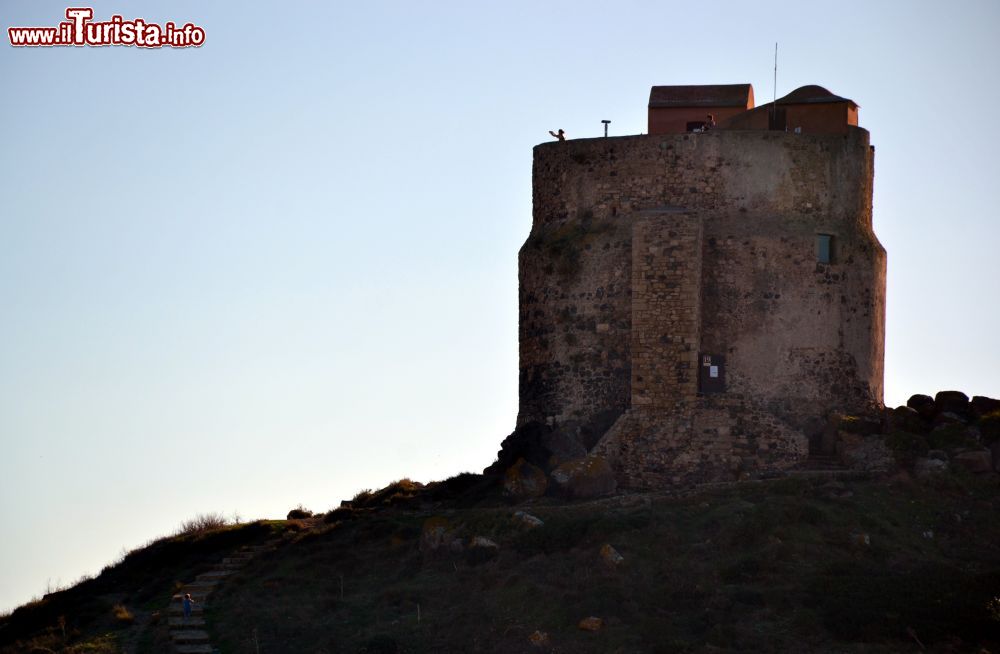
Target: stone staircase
818 462
824 466
188 634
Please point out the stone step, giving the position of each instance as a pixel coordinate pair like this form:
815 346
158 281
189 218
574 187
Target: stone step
203 585
827 474
191 636
185 623
236 560
176 609
219 575
202 648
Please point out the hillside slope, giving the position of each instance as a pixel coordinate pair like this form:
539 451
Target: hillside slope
801 564
805 563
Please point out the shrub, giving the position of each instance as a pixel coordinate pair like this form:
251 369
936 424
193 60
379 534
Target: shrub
361 497
989 427
299 513
906 447
948 437
339 514
122 614
859 425
201 523
398 491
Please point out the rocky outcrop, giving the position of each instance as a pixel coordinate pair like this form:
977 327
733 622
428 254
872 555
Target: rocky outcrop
928 434
583 478
523 481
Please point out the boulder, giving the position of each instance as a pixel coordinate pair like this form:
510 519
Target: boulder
982 405
948 418
610 556
528 520
922 404
906 447
989 427
524 481
976 461
954 436
481 550
438 535
929 467
952 401
940 455
540 639
482 541
588 477
907 419
591 624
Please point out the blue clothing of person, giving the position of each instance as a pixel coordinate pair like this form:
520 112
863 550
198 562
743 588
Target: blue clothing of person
187 607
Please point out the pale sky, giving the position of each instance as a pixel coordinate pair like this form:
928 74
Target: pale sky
282 267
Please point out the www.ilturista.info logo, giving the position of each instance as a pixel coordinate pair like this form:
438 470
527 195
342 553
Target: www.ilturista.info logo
80 30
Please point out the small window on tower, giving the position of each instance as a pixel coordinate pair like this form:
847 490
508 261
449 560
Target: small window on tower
824 248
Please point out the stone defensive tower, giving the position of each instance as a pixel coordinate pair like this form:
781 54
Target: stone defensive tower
696 302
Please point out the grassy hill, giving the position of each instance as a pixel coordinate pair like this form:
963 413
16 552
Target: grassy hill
800 564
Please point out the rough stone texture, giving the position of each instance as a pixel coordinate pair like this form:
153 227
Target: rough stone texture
611 557
922 404
929 467
437 535
590 476
647 251
528 520
524 481
907 419
951 401
712 439
974 461
864 452
666 309
483 542
981 405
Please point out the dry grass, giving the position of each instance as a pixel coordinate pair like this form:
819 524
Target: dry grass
122 614
201 523
761 567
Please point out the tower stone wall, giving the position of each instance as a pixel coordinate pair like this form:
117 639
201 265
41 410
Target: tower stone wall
650 253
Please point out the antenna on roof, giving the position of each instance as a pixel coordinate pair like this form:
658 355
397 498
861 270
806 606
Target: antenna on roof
775 98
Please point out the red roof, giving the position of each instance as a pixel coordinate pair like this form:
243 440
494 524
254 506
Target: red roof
706 95
812 94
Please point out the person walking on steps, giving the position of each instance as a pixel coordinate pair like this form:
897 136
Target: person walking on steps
188 603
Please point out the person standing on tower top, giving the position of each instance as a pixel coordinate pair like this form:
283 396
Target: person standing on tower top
561 135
